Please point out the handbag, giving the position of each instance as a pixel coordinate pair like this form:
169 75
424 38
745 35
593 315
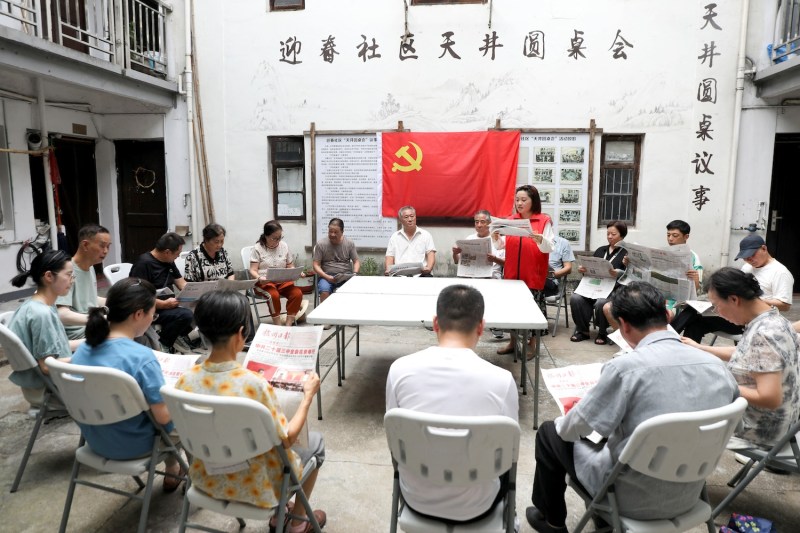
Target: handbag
741 523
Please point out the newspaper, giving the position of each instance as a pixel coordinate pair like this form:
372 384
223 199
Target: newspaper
173 365
569 384
279 275
193 290
616 338
405 269
285 356
518 227
597 281
474 261
663 268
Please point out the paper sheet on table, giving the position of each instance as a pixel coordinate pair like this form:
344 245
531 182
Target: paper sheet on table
594 288
567 385
474 261
173 365
279 275
518 227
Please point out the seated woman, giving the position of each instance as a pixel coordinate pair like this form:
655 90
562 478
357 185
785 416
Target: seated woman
130 308
36 322
209 261
582 307
764 363
272 252
221 317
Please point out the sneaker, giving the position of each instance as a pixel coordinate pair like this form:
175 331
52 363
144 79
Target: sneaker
498 333
183 345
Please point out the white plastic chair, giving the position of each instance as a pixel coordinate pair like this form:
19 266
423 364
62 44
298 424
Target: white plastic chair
784 455
676 447
99 396
180 262
452 450
227 430
117 271
52 406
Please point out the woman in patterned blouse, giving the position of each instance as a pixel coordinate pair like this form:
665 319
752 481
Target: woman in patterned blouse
221 317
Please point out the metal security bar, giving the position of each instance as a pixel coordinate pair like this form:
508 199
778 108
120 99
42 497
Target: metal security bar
146 23
22 15
789 38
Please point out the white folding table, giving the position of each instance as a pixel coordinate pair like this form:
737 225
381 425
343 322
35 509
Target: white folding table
411 302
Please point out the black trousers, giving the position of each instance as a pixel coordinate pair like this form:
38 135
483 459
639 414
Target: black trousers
695 326
553 461
174 322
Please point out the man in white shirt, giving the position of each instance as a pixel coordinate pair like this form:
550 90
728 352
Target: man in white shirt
94 242
482 219
410 244
451 379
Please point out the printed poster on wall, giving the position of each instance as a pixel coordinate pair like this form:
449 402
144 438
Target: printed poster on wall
349 186
557 164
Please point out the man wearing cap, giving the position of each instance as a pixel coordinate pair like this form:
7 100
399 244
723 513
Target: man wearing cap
775 280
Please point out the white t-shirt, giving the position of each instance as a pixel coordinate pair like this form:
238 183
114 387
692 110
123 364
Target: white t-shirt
450 381
775 279
413 250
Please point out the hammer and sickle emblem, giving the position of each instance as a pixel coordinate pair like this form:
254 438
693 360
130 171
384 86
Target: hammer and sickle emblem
413 164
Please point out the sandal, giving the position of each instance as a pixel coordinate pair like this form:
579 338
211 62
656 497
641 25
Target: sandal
306 527
171 483
273 522
579 336
601 340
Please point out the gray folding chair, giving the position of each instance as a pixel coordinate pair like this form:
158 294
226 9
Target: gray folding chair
227 430
255 299
784 455
558 301
52 406
674 447
99 396
454 451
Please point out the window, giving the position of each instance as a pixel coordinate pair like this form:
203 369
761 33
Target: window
434 2
288 177
286 5
619 177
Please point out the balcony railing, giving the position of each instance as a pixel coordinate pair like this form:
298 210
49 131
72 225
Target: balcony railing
787 42
129 33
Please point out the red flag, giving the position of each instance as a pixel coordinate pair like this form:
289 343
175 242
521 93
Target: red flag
449 174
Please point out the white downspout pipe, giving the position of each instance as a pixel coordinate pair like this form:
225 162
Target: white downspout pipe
48 184
187 80
737 118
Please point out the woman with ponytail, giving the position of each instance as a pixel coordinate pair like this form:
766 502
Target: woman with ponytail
764 363
36 322
110 330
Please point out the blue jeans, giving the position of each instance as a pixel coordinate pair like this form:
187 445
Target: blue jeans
323 285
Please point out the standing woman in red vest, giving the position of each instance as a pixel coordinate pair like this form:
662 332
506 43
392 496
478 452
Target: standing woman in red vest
526 257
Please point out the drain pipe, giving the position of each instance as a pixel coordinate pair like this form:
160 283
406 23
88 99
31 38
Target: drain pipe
724 256
48 183
189 87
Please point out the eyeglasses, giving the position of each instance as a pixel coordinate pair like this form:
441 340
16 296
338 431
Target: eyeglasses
275 239
155 317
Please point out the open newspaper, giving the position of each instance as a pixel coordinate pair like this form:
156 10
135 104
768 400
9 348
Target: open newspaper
519 227
405 269
597 281
285 356
664 268
474 261
567 385
279 275
193 290
173 365
616 338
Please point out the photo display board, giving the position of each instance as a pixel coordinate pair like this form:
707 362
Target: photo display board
557 164
349 185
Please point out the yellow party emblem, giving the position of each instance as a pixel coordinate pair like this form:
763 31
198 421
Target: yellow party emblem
414 163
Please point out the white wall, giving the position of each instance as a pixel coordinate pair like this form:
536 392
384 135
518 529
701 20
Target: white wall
248 94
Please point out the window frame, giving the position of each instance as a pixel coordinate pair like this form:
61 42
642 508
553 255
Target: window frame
276 165
635 166
300 7
6 184
440 2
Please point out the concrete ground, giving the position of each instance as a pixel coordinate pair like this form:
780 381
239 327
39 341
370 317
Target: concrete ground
354 485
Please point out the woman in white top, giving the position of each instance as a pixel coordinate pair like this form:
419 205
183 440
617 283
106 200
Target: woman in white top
272 252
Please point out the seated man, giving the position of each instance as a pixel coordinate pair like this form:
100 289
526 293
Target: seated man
775 280
335 260
158 267
661 375
73 308
482 220
560 263
451 379
410 244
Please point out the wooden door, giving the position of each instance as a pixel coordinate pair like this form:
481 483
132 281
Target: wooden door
142 196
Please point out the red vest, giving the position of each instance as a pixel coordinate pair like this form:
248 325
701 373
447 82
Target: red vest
523 259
